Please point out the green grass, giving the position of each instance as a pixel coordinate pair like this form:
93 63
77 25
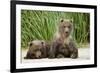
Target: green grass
43 24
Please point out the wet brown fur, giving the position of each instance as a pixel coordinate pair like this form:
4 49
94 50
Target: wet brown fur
63 45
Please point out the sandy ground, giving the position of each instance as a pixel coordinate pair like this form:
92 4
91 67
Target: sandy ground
84 54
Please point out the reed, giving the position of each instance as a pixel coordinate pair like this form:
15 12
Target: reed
42 25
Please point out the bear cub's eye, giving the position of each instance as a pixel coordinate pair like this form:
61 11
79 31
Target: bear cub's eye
68 26
64 26
42 43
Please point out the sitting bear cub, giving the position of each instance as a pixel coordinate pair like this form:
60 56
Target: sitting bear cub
63 45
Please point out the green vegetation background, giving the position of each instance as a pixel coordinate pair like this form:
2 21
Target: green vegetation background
42 25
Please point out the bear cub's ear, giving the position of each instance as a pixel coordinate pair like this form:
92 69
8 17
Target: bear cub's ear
71 20
30 43
61 20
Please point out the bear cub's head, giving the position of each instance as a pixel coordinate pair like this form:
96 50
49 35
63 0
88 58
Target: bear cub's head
36 49
65 27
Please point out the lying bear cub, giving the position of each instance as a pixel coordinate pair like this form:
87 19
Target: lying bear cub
37 49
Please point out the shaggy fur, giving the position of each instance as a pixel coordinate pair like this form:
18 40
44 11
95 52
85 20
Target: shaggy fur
63 45
37 49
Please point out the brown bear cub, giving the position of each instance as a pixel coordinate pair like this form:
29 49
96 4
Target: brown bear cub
63 45
37 49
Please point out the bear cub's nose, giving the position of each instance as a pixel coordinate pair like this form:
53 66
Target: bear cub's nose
66 32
